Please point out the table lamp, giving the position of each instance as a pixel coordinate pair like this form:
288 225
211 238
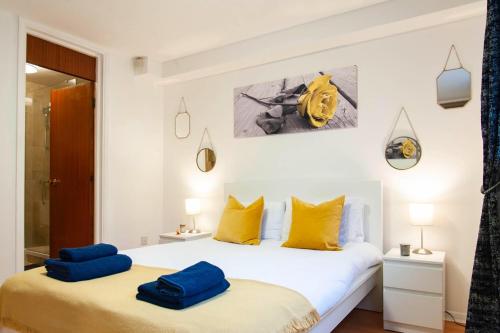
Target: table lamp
193 208
421 215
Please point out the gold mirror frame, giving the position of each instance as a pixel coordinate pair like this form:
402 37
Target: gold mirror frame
205 160
403 152
453 86
178 117
205 156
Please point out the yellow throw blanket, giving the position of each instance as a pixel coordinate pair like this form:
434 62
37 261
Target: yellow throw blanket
31 302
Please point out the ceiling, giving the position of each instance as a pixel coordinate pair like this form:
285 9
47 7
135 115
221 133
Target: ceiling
168 29
48 77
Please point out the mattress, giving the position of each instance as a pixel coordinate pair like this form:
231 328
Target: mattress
323 277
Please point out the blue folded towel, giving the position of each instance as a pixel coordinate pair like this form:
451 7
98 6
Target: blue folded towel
85 253
191 281
87 270
149 292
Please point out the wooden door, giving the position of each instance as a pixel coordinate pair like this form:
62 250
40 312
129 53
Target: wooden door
71 167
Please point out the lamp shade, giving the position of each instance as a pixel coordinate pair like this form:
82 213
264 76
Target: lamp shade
30 69
421 214
192 206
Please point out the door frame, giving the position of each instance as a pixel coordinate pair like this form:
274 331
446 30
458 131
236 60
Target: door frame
28 27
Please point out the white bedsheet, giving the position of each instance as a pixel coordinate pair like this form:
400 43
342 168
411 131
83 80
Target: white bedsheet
323 277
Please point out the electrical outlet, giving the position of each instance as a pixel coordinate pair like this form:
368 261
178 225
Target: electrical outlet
144 240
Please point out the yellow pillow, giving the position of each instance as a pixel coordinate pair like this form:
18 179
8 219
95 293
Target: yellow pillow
315 227
240 224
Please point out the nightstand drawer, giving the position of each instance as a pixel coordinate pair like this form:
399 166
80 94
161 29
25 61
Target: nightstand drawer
427 278
413 309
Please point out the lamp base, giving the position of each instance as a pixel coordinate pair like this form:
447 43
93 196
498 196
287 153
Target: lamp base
422 251
194 230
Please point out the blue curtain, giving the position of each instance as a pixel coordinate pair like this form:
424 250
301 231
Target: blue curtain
483 314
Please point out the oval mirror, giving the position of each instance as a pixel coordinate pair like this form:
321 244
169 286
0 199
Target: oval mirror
205 159
403 153
454 88
182 125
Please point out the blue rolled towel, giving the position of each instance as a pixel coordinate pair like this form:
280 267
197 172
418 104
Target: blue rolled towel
85 253
87 270
149 292
191 280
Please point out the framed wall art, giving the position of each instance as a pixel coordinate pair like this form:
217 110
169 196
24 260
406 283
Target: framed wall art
311 102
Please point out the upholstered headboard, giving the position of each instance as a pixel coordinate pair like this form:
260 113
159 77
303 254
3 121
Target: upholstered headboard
319 190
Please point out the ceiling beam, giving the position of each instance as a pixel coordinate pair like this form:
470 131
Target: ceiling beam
370 23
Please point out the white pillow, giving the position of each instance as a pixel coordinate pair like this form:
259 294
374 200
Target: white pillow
272 219
288 220
351 226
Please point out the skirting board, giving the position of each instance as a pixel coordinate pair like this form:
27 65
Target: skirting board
399 327
460 317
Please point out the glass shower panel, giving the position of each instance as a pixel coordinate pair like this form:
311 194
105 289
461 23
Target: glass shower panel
39 84
37 171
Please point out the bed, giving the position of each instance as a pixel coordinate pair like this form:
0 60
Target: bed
323 277
333 282
365 290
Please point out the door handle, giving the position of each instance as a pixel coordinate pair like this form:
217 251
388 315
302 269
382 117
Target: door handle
54 181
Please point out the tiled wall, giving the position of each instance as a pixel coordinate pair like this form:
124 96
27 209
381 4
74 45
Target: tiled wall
37 170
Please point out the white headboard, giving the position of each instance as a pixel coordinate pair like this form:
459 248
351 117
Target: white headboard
319 190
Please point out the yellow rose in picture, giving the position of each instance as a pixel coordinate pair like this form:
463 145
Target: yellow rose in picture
319 102
408 148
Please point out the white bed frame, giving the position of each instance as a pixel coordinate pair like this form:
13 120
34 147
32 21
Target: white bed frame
366 291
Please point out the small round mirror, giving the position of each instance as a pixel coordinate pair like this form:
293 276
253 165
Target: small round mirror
403 153
205 159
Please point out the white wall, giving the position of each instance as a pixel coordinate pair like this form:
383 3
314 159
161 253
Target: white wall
8 106
133 154
132 163
393 72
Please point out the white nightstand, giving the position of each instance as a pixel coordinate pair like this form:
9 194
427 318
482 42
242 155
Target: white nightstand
414 295
171 237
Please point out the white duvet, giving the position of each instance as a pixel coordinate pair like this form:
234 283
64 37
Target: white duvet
323 277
